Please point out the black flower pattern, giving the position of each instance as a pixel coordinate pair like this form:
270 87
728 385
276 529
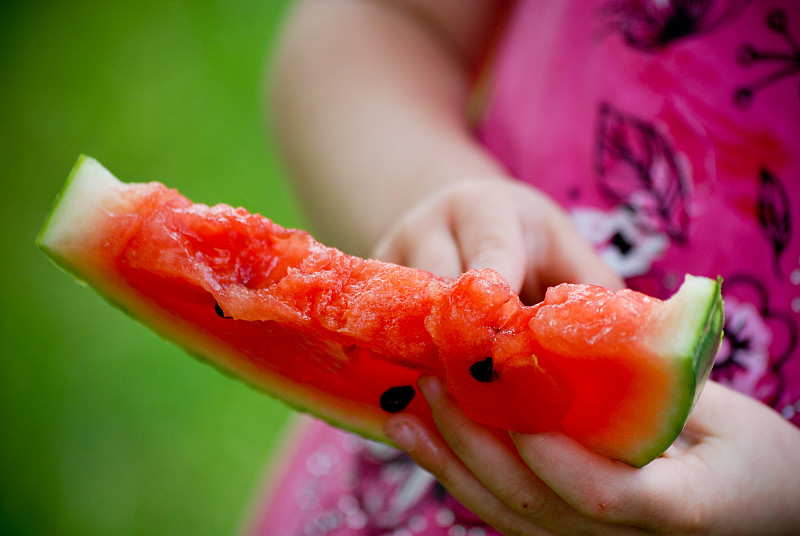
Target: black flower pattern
757 341
786 60
774 214
648 25
637 167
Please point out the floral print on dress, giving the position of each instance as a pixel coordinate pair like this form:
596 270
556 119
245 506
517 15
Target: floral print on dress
757 342
638 167
651 24
625 245
784 60
774 214
339 484
743 358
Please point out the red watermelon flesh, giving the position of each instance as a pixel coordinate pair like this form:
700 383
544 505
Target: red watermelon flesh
346 338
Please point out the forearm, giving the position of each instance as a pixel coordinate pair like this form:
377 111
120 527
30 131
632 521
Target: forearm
369 110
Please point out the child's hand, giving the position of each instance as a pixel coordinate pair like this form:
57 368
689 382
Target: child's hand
735 469
496 223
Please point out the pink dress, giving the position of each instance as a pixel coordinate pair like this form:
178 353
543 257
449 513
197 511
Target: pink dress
670 130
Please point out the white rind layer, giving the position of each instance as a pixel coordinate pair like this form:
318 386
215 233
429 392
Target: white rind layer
89 185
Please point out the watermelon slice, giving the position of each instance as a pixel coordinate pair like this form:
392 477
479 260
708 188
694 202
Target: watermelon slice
346 338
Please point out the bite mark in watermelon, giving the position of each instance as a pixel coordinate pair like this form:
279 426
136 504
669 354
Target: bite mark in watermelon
346 338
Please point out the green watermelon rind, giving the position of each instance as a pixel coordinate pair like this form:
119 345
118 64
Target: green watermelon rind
695 357
56 215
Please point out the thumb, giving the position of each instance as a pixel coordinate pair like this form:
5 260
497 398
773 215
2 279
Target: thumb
591 483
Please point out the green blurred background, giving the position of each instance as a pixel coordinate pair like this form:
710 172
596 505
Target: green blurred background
104 428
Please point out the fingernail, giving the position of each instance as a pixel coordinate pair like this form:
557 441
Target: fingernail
431 387
403 437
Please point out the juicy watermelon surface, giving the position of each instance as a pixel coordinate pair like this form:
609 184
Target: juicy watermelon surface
347 338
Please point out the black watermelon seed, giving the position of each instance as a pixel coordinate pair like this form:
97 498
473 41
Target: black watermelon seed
219 311
483 370
397 399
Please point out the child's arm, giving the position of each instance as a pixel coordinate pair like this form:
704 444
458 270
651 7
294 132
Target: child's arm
368 104
370 109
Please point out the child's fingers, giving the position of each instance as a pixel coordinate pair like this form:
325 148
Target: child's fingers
497 466
427 244
437 253
430 452
389 249
523 235
484 454
506 226
489 235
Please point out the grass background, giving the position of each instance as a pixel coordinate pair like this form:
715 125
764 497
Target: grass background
104 428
